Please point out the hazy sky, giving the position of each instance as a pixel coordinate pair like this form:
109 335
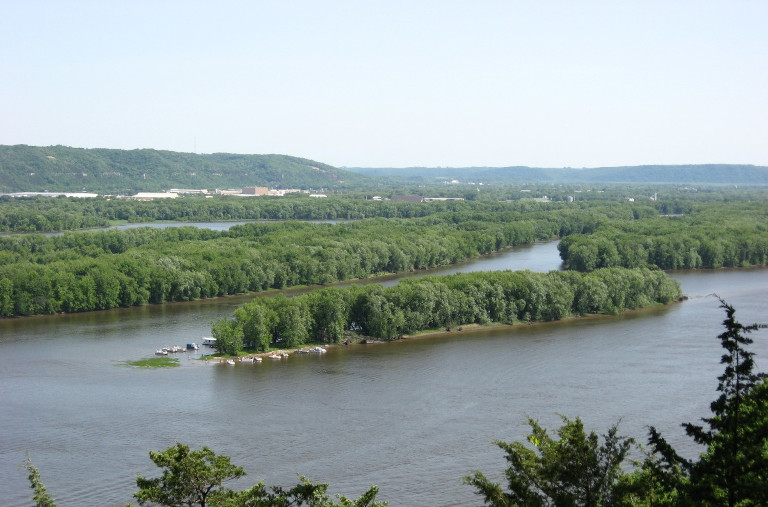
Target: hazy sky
393 83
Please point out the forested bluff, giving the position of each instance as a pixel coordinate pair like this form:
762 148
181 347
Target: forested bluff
26 168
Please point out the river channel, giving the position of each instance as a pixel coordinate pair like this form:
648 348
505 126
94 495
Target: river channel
412 417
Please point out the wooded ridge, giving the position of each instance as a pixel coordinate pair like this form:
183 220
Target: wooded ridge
110 171
64 169
732 174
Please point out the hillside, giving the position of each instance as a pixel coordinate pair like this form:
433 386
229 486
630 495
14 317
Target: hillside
713 174
60 168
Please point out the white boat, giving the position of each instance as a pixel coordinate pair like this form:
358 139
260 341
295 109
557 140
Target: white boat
209 341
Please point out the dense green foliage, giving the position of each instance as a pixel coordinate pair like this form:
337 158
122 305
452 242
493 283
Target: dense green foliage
75 272
709 236
45 214
188 478
83 271
574 471
438 302
108 171
195 478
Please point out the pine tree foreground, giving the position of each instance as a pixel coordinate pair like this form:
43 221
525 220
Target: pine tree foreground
576 471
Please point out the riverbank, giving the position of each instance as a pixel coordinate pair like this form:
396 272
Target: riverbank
481 328
465 329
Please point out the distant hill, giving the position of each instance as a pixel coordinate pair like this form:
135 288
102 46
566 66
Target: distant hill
60 168
713 174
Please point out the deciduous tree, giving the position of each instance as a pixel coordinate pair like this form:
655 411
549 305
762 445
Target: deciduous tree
574 470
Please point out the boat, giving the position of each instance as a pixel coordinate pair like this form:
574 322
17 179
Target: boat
209 341
192 346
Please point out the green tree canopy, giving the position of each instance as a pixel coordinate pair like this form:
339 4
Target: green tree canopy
189 478
574 470
195 478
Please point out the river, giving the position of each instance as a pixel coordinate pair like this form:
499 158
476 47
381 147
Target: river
413 416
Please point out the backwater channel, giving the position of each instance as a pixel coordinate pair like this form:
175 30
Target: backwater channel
412 417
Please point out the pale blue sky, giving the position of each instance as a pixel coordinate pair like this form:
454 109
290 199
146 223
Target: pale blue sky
393 83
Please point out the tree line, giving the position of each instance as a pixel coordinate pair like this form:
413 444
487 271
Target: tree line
75 272
333 315
45 214
712 236
82 271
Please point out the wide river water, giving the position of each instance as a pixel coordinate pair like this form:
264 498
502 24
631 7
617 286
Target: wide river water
413 416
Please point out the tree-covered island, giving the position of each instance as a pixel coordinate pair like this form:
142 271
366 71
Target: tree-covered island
335 315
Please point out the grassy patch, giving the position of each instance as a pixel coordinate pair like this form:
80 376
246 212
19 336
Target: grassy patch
155 362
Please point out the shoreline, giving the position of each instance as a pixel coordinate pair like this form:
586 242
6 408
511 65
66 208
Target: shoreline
478 328
466 329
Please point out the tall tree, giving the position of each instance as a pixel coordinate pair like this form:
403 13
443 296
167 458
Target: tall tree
574 470
229 336
189 478
733 470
